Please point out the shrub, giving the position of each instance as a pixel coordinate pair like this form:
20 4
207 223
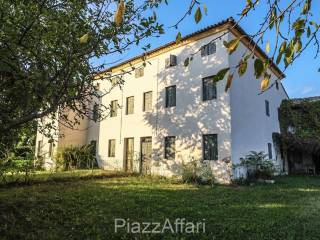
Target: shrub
197 172
76 158
258 166
14 169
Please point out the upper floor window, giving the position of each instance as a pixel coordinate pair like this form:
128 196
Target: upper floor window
147 101
112 148
95 112
130 105
170 148
171 96
139 72
209 89
277 85
267 108
115 81
208 49
171 61
113 108
210 147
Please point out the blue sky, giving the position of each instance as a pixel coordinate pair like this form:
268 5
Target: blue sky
302 77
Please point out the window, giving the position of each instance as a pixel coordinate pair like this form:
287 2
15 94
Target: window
171 96
277 85
39 148
112 148
209 89
130 105
170 148
50 148
114 108
147 101
139 72
267 108
95 112
171 61
115 81
270 150
210 147
208 49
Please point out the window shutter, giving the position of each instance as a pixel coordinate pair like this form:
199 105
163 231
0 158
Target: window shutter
171 96
267 108
210 147
173 60
270 150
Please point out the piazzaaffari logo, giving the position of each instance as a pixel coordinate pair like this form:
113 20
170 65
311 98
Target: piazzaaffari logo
176 226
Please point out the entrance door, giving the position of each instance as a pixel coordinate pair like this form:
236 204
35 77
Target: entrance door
128 154
146 151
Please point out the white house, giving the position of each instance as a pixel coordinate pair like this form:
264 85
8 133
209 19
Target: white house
167 114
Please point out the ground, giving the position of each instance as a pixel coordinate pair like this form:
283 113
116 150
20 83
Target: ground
84 208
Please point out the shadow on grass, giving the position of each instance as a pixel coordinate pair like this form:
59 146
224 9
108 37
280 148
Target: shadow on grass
87 209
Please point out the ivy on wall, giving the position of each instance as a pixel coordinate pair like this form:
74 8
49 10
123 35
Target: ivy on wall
300 123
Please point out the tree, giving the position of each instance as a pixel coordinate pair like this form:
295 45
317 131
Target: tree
294 26
47 48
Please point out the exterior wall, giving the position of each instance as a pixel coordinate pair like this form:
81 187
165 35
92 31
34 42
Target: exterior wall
82 134
251 128
188 121
44 150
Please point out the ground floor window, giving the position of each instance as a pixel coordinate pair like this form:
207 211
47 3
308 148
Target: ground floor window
210 147
112 148
270 150
170 147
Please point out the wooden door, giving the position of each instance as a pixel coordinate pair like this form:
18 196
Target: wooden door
146 152
129 154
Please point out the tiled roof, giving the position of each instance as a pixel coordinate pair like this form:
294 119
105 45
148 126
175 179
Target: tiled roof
229 21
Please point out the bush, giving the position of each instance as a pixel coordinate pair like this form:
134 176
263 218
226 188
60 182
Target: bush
197 172
13 169
72 157
258 166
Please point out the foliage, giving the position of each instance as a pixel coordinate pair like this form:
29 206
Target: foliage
258 166
47 48
75 157
197 172
278 211
14 169
300 118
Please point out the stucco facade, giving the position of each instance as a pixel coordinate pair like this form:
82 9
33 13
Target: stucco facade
237 117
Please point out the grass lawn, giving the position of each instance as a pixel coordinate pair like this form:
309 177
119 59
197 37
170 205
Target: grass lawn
86 208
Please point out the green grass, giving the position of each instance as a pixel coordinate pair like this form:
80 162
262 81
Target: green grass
86 208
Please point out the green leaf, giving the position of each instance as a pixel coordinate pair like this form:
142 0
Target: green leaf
198 15
243 65
279 58
268 47
298 46
283 47
308 32
178 38
229 82
84 39
299 24
220 75
306 7
265 82
232 45
258 67
205 9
